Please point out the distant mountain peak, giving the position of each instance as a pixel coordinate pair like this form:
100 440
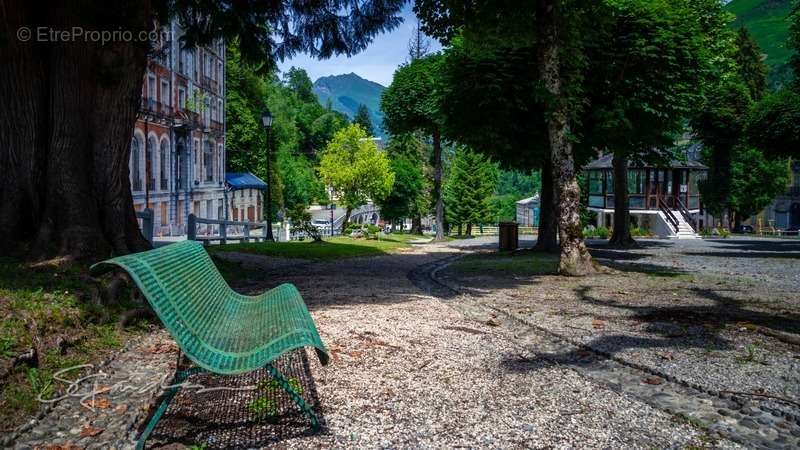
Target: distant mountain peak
347 91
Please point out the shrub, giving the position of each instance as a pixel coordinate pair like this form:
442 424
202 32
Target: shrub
641 231
301 222
599 232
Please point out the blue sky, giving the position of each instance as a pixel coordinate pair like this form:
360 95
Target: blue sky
377 63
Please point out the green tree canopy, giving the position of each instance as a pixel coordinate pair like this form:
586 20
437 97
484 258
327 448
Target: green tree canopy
298 81
412 103
352 165
756 181
774 124
409 181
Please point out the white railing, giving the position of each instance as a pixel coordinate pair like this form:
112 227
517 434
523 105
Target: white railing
222 231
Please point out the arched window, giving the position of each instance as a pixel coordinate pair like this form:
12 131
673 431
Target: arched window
163 159
136 169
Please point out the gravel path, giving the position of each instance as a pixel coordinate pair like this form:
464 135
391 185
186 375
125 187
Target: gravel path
704 314
411 371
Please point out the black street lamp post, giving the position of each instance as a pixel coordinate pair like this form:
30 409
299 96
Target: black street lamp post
266 120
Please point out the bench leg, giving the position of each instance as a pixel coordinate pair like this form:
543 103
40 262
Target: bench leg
297 398
180 377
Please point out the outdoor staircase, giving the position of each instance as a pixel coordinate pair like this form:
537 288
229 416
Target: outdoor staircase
677 221
685 230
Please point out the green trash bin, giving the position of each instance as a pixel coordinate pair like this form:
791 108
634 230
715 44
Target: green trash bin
509 236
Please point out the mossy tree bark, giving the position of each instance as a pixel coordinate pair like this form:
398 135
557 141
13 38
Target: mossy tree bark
574 259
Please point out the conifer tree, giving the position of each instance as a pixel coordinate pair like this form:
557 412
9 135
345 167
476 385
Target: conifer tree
470 183
362 118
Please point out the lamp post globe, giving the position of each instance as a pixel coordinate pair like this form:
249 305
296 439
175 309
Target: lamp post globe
266 121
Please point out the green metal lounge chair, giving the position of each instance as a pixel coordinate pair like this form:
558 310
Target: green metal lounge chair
222 331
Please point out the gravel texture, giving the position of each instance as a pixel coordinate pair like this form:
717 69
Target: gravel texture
714 330
415 370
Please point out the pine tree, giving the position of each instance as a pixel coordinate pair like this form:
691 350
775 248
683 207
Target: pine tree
362 118
470 182
419 45
750 64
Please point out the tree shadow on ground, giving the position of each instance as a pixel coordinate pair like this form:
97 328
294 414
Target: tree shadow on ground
671 322
377 279
746 254
757 245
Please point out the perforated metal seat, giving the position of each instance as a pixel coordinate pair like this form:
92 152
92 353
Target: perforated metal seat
222 331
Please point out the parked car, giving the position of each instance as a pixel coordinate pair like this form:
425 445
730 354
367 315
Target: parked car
743 229
792 231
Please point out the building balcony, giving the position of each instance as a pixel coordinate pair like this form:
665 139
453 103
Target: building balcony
154 107
209 83
217 127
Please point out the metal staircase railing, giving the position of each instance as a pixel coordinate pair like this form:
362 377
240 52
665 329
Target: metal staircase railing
662 205
685 213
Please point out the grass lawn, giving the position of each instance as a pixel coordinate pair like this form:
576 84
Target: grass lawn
524 263
330 248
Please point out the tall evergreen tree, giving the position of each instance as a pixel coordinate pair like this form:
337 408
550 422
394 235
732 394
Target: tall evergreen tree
750 64
362 118
471 180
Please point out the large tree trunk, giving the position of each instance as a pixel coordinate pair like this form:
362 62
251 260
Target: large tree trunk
621 237
71 107
416 225
575 259
437 185
547 239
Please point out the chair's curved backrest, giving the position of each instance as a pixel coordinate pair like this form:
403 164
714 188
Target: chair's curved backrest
219 329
